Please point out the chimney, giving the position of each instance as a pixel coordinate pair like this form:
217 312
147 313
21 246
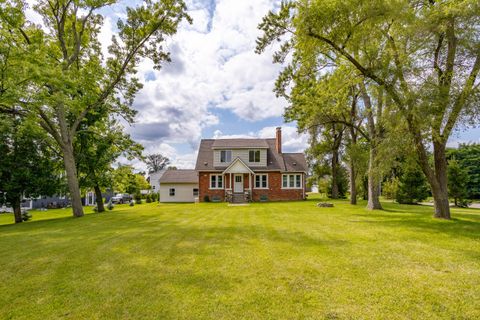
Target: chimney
278 140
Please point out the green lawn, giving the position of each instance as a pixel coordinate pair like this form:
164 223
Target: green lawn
264 261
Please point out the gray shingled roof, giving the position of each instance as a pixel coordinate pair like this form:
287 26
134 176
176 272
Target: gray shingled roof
179 176
239 143
275 161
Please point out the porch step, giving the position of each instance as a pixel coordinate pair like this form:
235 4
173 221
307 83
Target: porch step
238 198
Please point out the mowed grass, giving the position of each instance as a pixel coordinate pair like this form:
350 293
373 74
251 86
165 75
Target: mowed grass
287 260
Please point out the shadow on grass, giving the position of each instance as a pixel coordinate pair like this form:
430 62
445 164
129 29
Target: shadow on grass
420 218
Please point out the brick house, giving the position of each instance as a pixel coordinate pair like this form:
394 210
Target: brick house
240 170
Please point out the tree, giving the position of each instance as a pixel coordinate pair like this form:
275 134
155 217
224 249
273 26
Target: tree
126 181
412 186
156 162
97 147
457 183
468 157
425 55
27 167
75 81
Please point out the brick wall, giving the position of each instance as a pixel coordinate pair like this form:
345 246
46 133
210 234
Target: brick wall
273 193
204 184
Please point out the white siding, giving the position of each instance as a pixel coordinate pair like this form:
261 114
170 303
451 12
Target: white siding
243 155
155 180
183 192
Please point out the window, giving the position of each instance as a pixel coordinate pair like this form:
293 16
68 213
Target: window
261 181
216 181
254 156
171 192
292 181
238 178
225 155
153 187
195 192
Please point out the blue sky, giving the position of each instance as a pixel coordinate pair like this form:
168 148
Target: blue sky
216 86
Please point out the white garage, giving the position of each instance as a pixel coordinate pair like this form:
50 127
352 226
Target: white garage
179 186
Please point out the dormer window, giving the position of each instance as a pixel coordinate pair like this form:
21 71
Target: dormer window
254 156
225 155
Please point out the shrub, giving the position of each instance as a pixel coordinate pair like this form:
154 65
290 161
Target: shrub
206 198
148 198
26 215
138 197
390 188
412 187
138 200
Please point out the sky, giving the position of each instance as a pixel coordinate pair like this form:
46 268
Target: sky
215 86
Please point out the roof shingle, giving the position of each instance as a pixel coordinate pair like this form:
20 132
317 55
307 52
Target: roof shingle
179 176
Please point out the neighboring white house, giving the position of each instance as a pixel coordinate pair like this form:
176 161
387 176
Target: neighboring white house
179 186
154 180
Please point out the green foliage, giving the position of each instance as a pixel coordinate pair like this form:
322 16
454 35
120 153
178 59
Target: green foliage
457 183
206 198
468 158
390 188
28 167
148 198
342 183
412 186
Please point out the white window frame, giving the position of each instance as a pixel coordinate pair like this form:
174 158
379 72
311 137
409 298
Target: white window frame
195 194
227 159
254 152
255 180
214 187
170 192
296 177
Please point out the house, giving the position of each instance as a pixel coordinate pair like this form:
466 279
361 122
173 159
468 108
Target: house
179 186
249 169
154 180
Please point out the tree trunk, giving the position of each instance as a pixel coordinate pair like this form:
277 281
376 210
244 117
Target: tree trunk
335 174
17 210
373 174
373 183
440 188
353 186
99 198
72 179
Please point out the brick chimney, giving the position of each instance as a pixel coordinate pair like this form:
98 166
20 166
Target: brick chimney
278 140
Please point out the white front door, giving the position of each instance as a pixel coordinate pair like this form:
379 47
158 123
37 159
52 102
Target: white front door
238 183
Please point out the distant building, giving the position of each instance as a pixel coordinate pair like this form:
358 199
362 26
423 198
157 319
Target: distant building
154 180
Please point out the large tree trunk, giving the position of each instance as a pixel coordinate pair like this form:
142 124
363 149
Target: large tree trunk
99 198
373 183
373 174
440 189
72 180
17 210
353 186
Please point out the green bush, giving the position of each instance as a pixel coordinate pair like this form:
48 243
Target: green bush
148 198
138 197
390 188
206 198
26 215
412 187
138 200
